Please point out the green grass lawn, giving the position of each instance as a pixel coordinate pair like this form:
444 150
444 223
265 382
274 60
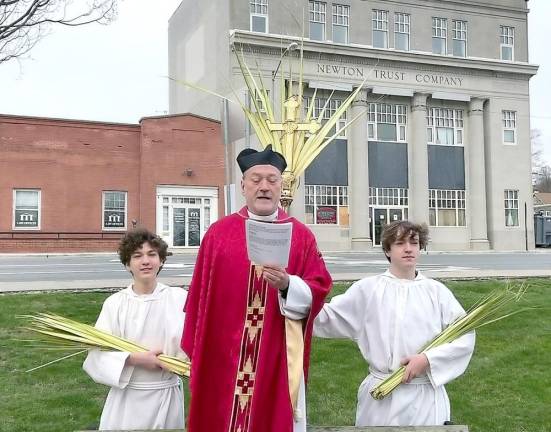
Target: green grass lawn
506 388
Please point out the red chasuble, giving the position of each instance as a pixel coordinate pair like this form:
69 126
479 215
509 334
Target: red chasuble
234 332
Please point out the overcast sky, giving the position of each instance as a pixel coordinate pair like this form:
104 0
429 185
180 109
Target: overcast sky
109 73
117 72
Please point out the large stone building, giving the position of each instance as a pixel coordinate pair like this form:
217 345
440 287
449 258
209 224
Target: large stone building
78 186
446 134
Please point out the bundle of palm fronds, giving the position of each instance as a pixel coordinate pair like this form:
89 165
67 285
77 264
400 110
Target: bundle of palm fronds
499 304
62 333
296 133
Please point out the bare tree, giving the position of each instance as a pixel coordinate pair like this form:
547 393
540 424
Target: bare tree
24 22
543 179
541 171
537 149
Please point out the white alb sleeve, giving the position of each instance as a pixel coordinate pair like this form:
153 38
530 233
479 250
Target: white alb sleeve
299 299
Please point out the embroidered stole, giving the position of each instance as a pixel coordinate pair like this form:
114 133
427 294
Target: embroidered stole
250 349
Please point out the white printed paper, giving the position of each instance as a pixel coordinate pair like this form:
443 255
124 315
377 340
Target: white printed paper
268 243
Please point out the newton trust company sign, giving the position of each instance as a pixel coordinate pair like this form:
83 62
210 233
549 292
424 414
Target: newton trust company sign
389 75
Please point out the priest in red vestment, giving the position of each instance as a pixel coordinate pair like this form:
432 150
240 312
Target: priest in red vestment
239 322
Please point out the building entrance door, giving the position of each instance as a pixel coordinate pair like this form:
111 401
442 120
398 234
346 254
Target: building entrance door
382 216
184 214
186 226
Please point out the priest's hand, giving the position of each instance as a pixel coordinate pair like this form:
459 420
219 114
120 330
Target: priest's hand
147 360
416 365
276 277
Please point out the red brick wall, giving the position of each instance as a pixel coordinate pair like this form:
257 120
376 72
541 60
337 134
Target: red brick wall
72 162
170 145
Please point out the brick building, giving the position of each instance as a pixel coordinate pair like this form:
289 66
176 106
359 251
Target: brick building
69 185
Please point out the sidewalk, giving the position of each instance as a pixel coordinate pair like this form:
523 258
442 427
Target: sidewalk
374 251
114 284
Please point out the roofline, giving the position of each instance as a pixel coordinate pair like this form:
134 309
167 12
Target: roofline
66 120
102 123
186 114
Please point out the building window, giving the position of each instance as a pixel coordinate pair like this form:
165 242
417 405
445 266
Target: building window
388 197
166 220
380 28
386 122
509 127
401 31
326 108
317 20
326 204
459 48
446 207
206 213
114 210
259 16
507 45
257 103
26 209
445 126
341 18
439 35
511 207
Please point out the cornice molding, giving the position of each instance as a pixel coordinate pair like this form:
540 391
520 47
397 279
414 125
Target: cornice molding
263 44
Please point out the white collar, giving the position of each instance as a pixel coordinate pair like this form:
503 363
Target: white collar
159 288
269 218
418 276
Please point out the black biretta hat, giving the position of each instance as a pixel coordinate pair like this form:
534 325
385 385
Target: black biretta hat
248 158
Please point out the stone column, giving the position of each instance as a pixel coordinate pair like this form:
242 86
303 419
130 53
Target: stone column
297 209
419 168
358 179
476 194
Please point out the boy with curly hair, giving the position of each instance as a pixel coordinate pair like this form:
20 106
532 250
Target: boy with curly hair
143 395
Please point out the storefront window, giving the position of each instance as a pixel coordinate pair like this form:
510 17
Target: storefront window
326 205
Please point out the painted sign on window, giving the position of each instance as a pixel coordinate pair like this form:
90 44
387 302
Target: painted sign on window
113 219
194 226
326 215
26 218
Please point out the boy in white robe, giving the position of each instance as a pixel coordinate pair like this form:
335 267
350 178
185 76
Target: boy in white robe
143 395
391 317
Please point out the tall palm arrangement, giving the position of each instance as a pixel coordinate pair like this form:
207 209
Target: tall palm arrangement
296 133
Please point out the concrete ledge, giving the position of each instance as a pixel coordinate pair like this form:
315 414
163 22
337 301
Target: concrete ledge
454 428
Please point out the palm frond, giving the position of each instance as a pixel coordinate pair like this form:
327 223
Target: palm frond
61 332
499 304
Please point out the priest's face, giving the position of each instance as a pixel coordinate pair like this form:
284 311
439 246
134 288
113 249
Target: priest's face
261 187
144 263
404 253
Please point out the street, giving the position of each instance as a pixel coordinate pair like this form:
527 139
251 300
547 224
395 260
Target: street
43 272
